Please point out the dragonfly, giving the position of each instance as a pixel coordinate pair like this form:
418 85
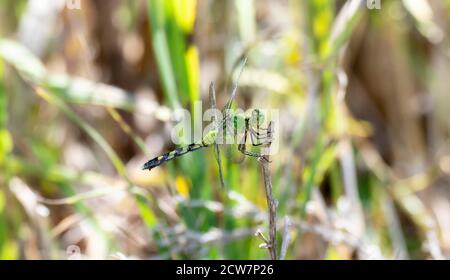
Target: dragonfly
234 126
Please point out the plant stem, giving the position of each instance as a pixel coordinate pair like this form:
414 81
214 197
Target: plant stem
264 161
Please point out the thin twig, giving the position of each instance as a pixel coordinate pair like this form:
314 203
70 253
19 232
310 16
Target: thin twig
272 246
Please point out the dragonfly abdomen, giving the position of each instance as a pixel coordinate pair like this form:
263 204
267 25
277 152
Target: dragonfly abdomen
171 155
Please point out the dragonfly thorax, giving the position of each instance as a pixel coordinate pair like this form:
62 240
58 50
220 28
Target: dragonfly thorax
210 137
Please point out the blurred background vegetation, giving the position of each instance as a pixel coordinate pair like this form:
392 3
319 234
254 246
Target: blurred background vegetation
87 96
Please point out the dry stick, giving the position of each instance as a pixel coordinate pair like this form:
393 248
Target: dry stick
272 246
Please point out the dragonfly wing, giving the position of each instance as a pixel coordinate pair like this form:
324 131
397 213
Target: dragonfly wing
235 86
212 97
232 139
219 124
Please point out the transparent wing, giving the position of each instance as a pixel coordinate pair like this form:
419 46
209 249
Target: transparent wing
223 126
232 152
235 86
212 100
228 129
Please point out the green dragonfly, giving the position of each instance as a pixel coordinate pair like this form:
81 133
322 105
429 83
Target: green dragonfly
233 128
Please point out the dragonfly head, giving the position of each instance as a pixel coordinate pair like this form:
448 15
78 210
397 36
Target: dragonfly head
257 118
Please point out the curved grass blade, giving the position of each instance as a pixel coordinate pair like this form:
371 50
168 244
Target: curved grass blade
128 130
119 166
74 89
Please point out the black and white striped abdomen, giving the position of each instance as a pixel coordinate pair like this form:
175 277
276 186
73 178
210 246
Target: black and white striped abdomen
171 155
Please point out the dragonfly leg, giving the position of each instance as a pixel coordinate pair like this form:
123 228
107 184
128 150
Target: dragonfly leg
259 156
259 136
256 139
242 147
243 150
